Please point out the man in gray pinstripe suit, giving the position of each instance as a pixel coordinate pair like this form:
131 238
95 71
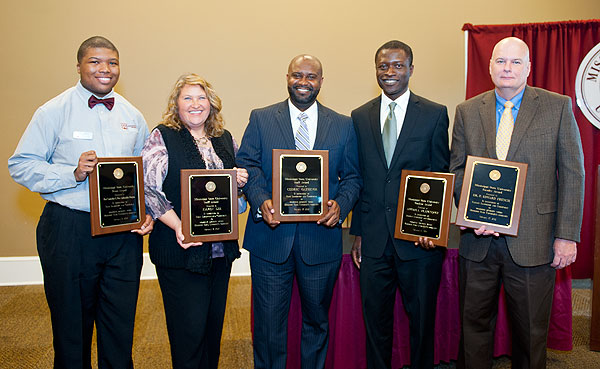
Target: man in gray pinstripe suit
546 137
309 251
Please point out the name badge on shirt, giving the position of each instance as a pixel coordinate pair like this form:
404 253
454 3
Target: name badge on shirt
79 135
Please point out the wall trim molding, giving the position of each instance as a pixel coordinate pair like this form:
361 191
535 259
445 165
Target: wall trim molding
25 270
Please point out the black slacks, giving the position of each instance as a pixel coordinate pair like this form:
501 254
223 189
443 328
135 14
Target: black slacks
88 280
195 309
418 280
272 292
529 292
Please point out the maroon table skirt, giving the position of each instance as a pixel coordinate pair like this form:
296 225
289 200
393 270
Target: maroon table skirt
347 331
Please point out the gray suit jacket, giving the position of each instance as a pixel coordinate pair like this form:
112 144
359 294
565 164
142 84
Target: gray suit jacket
546 137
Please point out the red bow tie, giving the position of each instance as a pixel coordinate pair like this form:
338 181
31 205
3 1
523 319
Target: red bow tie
109 103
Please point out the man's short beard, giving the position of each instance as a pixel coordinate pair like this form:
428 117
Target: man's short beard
307 101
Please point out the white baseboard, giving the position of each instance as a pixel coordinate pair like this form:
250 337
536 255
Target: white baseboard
22 270
148 269
241 267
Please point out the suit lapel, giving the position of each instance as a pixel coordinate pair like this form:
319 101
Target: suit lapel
375 123
487 113
529 106
323 124
413 110
285 125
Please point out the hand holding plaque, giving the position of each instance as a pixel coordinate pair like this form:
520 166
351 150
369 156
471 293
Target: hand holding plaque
116 195
492 195
209 207
300 184
424 206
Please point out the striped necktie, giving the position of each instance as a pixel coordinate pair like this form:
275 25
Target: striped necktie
505 130
302 141
389 134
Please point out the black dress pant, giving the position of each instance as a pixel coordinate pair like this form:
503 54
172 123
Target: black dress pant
529 292
272 286
418 280
88 280
195 309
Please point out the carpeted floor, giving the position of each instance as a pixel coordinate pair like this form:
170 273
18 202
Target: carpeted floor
26 339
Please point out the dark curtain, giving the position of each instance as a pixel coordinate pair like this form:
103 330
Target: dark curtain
556 50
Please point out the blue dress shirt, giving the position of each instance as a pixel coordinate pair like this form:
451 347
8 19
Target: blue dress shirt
500 101
61 130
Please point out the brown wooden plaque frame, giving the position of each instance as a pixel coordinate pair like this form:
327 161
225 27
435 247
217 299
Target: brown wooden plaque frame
186 176
94 191
278 155
448 181
512 228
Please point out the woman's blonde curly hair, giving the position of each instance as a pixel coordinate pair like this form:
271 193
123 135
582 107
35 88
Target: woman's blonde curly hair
214 123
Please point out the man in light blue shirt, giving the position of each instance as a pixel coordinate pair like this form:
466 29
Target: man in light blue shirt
87 279
540 131
500 101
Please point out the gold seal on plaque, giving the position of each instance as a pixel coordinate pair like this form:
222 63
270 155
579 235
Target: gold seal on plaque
210 186
425 187
301 167
495 175
118 173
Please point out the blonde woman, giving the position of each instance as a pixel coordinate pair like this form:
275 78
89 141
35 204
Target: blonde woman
193 277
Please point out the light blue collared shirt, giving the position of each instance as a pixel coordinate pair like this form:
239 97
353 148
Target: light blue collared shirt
61 130
500 101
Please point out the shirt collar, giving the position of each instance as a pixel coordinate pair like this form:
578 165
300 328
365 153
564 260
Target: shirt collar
85 93
401 101
516 100
312 111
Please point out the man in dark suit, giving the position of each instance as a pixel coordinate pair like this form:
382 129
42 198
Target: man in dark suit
543 134
397 130
310 251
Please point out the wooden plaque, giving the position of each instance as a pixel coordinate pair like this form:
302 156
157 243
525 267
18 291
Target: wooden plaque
117 195
300 185
209 207
424 206
492 195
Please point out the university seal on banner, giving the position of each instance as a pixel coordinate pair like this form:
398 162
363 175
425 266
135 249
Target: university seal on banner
587 86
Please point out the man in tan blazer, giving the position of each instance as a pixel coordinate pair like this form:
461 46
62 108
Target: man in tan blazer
545 136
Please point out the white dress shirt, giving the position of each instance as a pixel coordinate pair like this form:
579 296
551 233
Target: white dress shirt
311 122
399 110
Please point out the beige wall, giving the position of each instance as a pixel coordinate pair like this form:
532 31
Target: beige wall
242 47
